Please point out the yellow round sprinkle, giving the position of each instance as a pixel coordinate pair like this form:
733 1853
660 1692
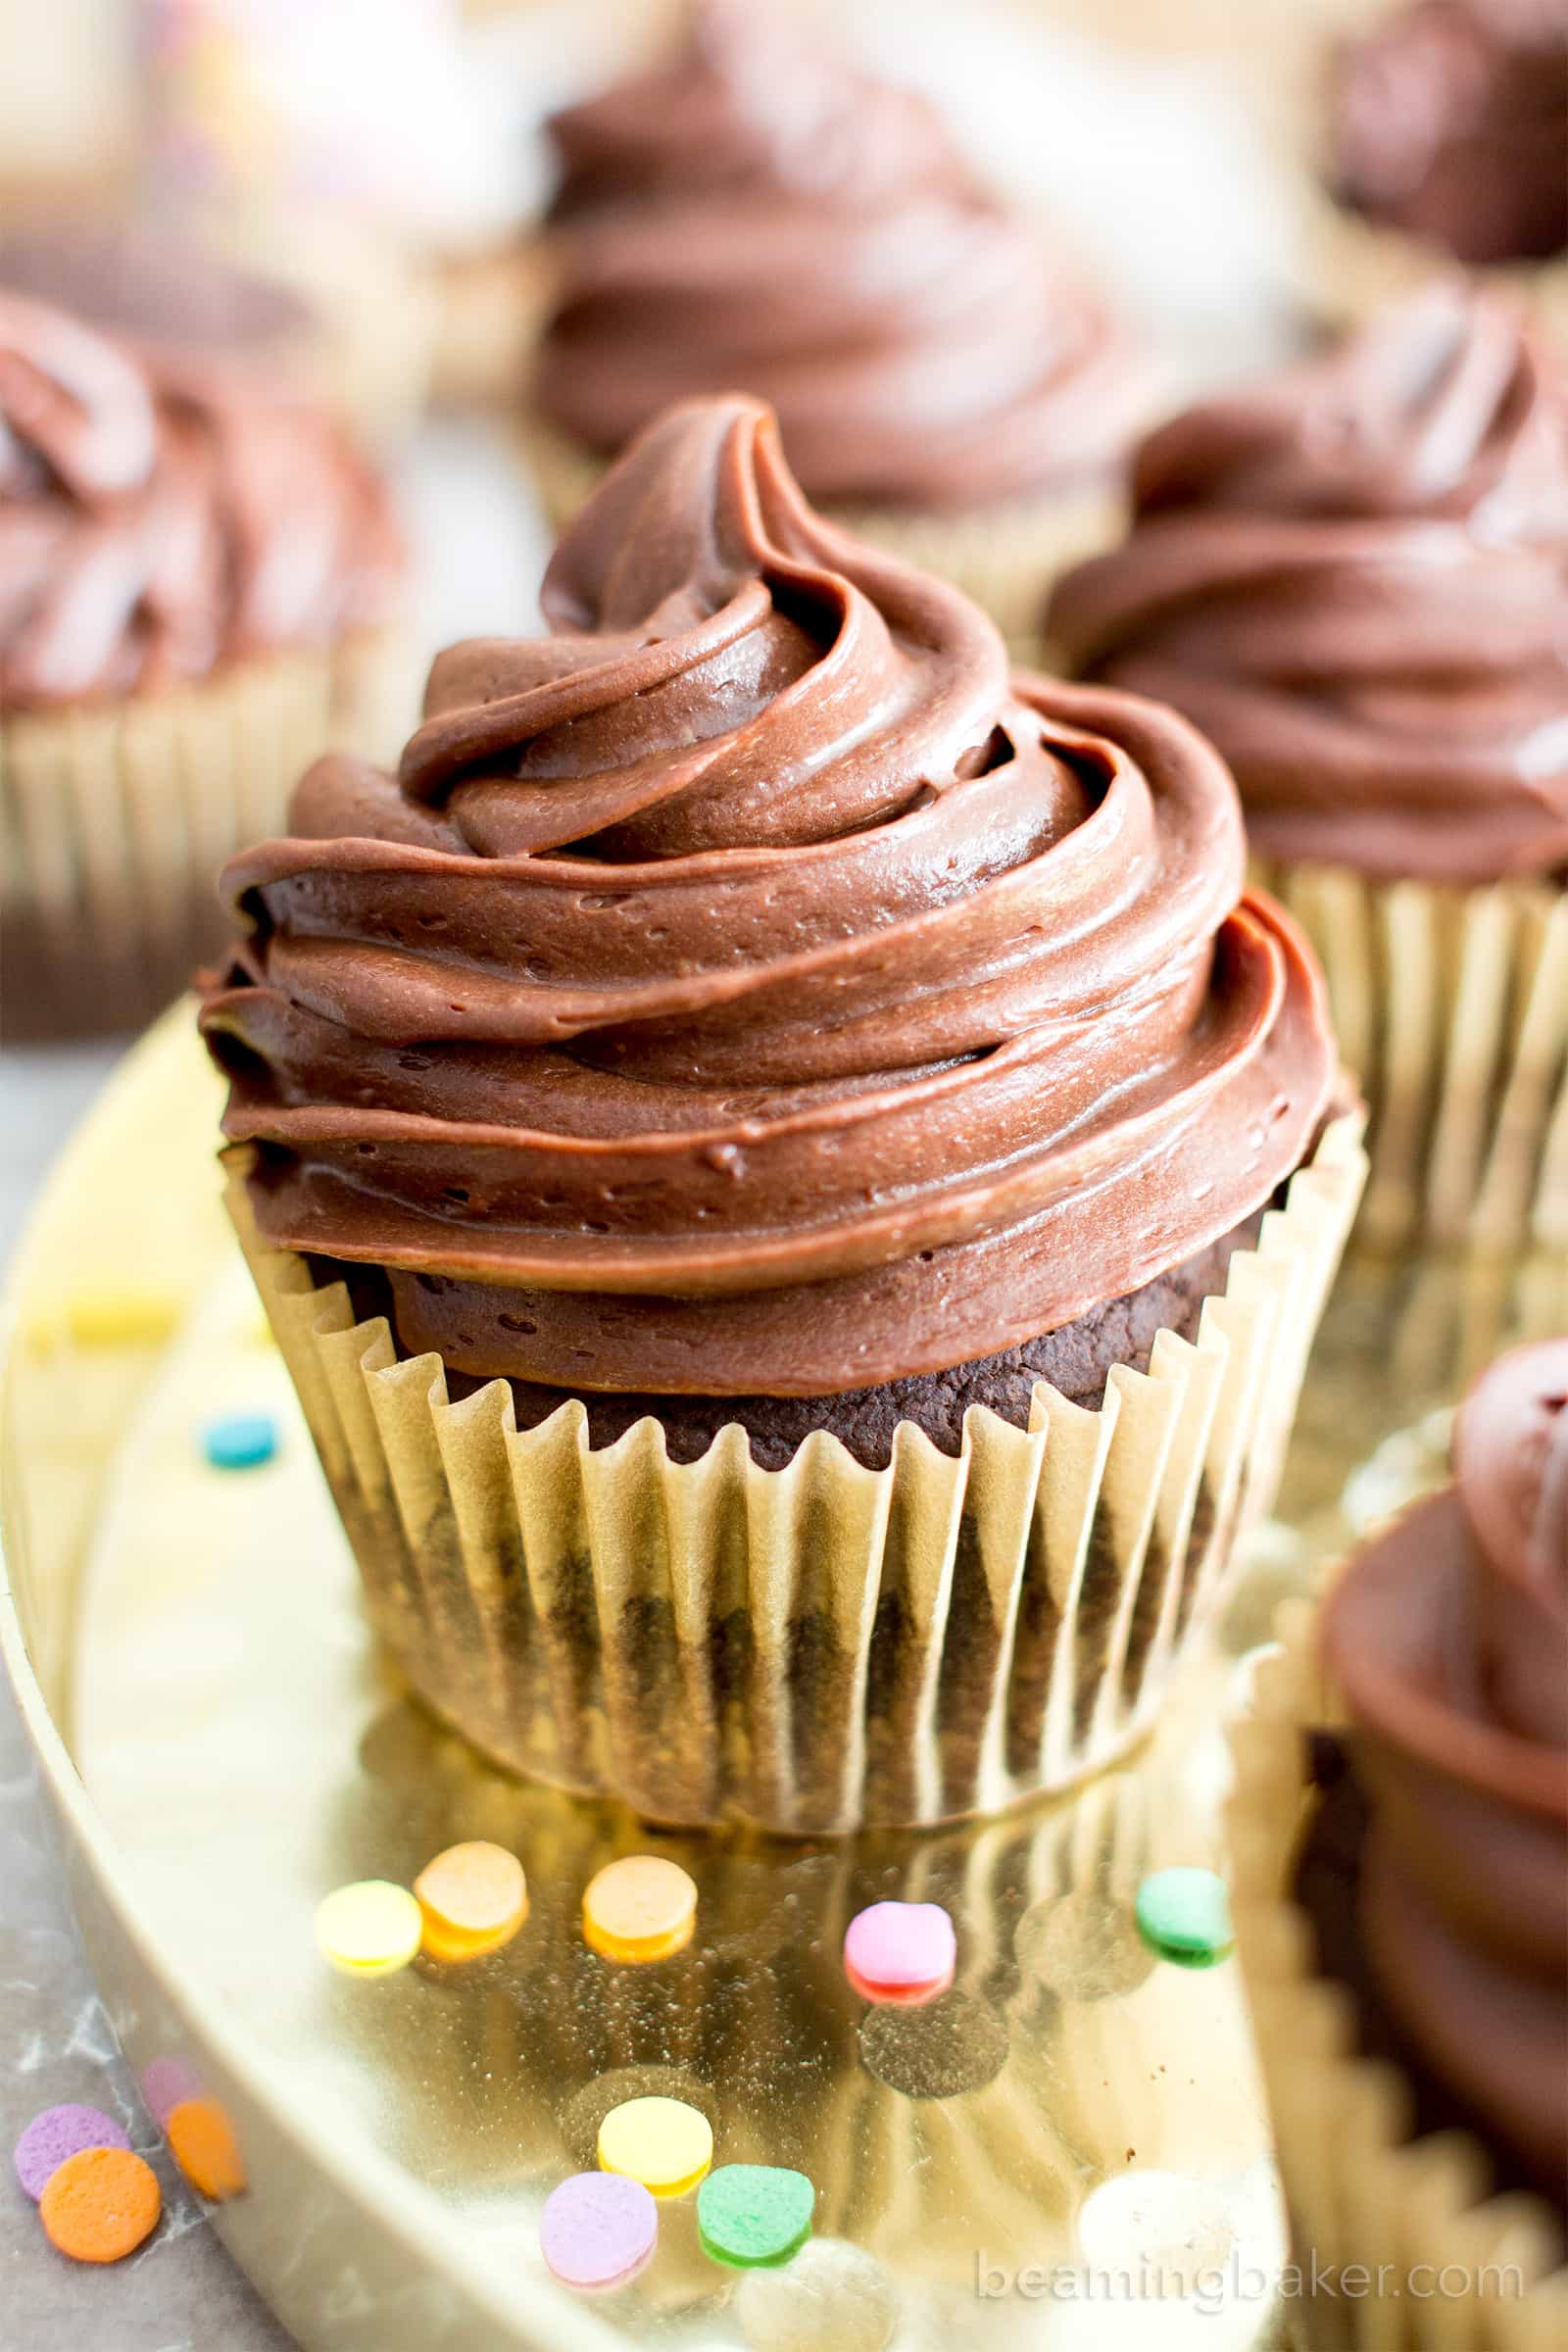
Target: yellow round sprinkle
473 1899
121 1314
638 1908
368 1928
663 2143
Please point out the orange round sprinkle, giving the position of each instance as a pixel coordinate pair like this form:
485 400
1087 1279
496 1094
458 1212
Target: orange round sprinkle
100 2204
201 2140
638 1908
472 1899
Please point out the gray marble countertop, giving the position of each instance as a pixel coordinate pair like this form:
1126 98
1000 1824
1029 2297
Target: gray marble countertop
180 2293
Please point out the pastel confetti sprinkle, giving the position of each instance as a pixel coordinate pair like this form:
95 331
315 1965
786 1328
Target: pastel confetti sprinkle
1185 1916
59 2132
831 2295
598 2230
663 2143
473 1899
101 2204
201 2140
117 1314
240 1440
369 1928
902 1953
640 1908
750 2215
1157 2221
165 2084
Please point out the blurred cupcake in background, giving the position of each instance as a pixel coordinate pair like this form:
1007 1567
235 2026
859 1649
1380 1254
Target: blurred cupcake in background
1354 578
199 582
1440 136
1399 1842
755 1071
751 213
173 304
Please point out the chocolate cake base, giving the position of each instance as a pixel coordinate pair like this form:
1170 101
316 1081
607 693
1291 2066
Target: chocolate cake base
1327 1886
1074 1359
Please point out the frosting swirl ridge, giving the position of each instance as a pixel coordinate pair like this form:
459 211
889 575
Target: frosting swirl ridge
746 986
1354 578
753 213
154 526
1450 1640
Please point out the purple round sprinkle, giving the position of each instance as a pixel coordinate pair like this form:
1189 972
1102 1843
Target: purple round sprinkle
166 2083
596 2229
59 2132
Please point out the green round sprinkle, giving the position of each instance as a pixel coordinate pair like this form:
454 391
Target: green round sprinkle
754 2215
1185 1914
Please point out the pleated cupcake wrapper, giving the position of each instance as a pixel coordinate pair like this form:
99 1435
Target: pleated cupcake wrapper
1004 556
823 1645
1452 1008
1358 2189
113 823
491 309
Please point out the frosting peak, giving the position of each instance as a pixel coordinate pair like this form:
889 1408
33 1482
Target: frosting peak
1511 1470
746 988
1450 1640
755 212
1355 578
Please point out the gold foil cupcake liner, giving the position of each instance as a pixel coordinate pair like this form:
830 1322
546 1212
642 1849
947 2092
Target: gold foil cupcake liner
824 1645
1452 1008
1005 557
113 823
1462 2270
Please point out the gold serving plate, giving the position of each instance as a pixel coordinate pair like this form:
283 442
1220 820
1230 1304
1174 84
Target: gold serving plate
1069 2147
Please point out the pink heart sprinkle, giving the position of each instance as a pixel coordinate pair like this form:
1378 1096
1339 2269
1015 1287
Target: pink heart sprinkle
901 1951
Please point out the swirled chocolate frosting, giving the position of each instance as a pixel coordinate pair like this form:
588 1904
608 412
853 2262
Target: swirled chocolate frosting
748 986
1354 580
752 213
1449 119
154 526
1448 1638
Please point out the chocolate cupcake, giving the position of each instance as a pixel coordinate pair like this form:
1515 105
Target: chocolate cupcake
1442 136
1354 578
197 583
753 213
756 1076
1404 1949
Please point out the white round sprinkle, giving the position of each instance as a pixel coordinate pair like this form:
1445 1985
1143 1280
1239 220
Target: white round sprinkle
831 2298
1162 2230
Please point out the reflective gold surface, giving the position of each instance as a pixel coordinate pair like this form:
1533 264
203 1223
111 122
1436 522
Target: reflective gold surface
241 1750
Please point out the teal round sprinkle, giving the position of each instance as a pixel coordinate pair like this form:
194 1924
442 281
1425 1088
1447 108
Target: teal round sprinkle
754 2215
240 1440
1185 1914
